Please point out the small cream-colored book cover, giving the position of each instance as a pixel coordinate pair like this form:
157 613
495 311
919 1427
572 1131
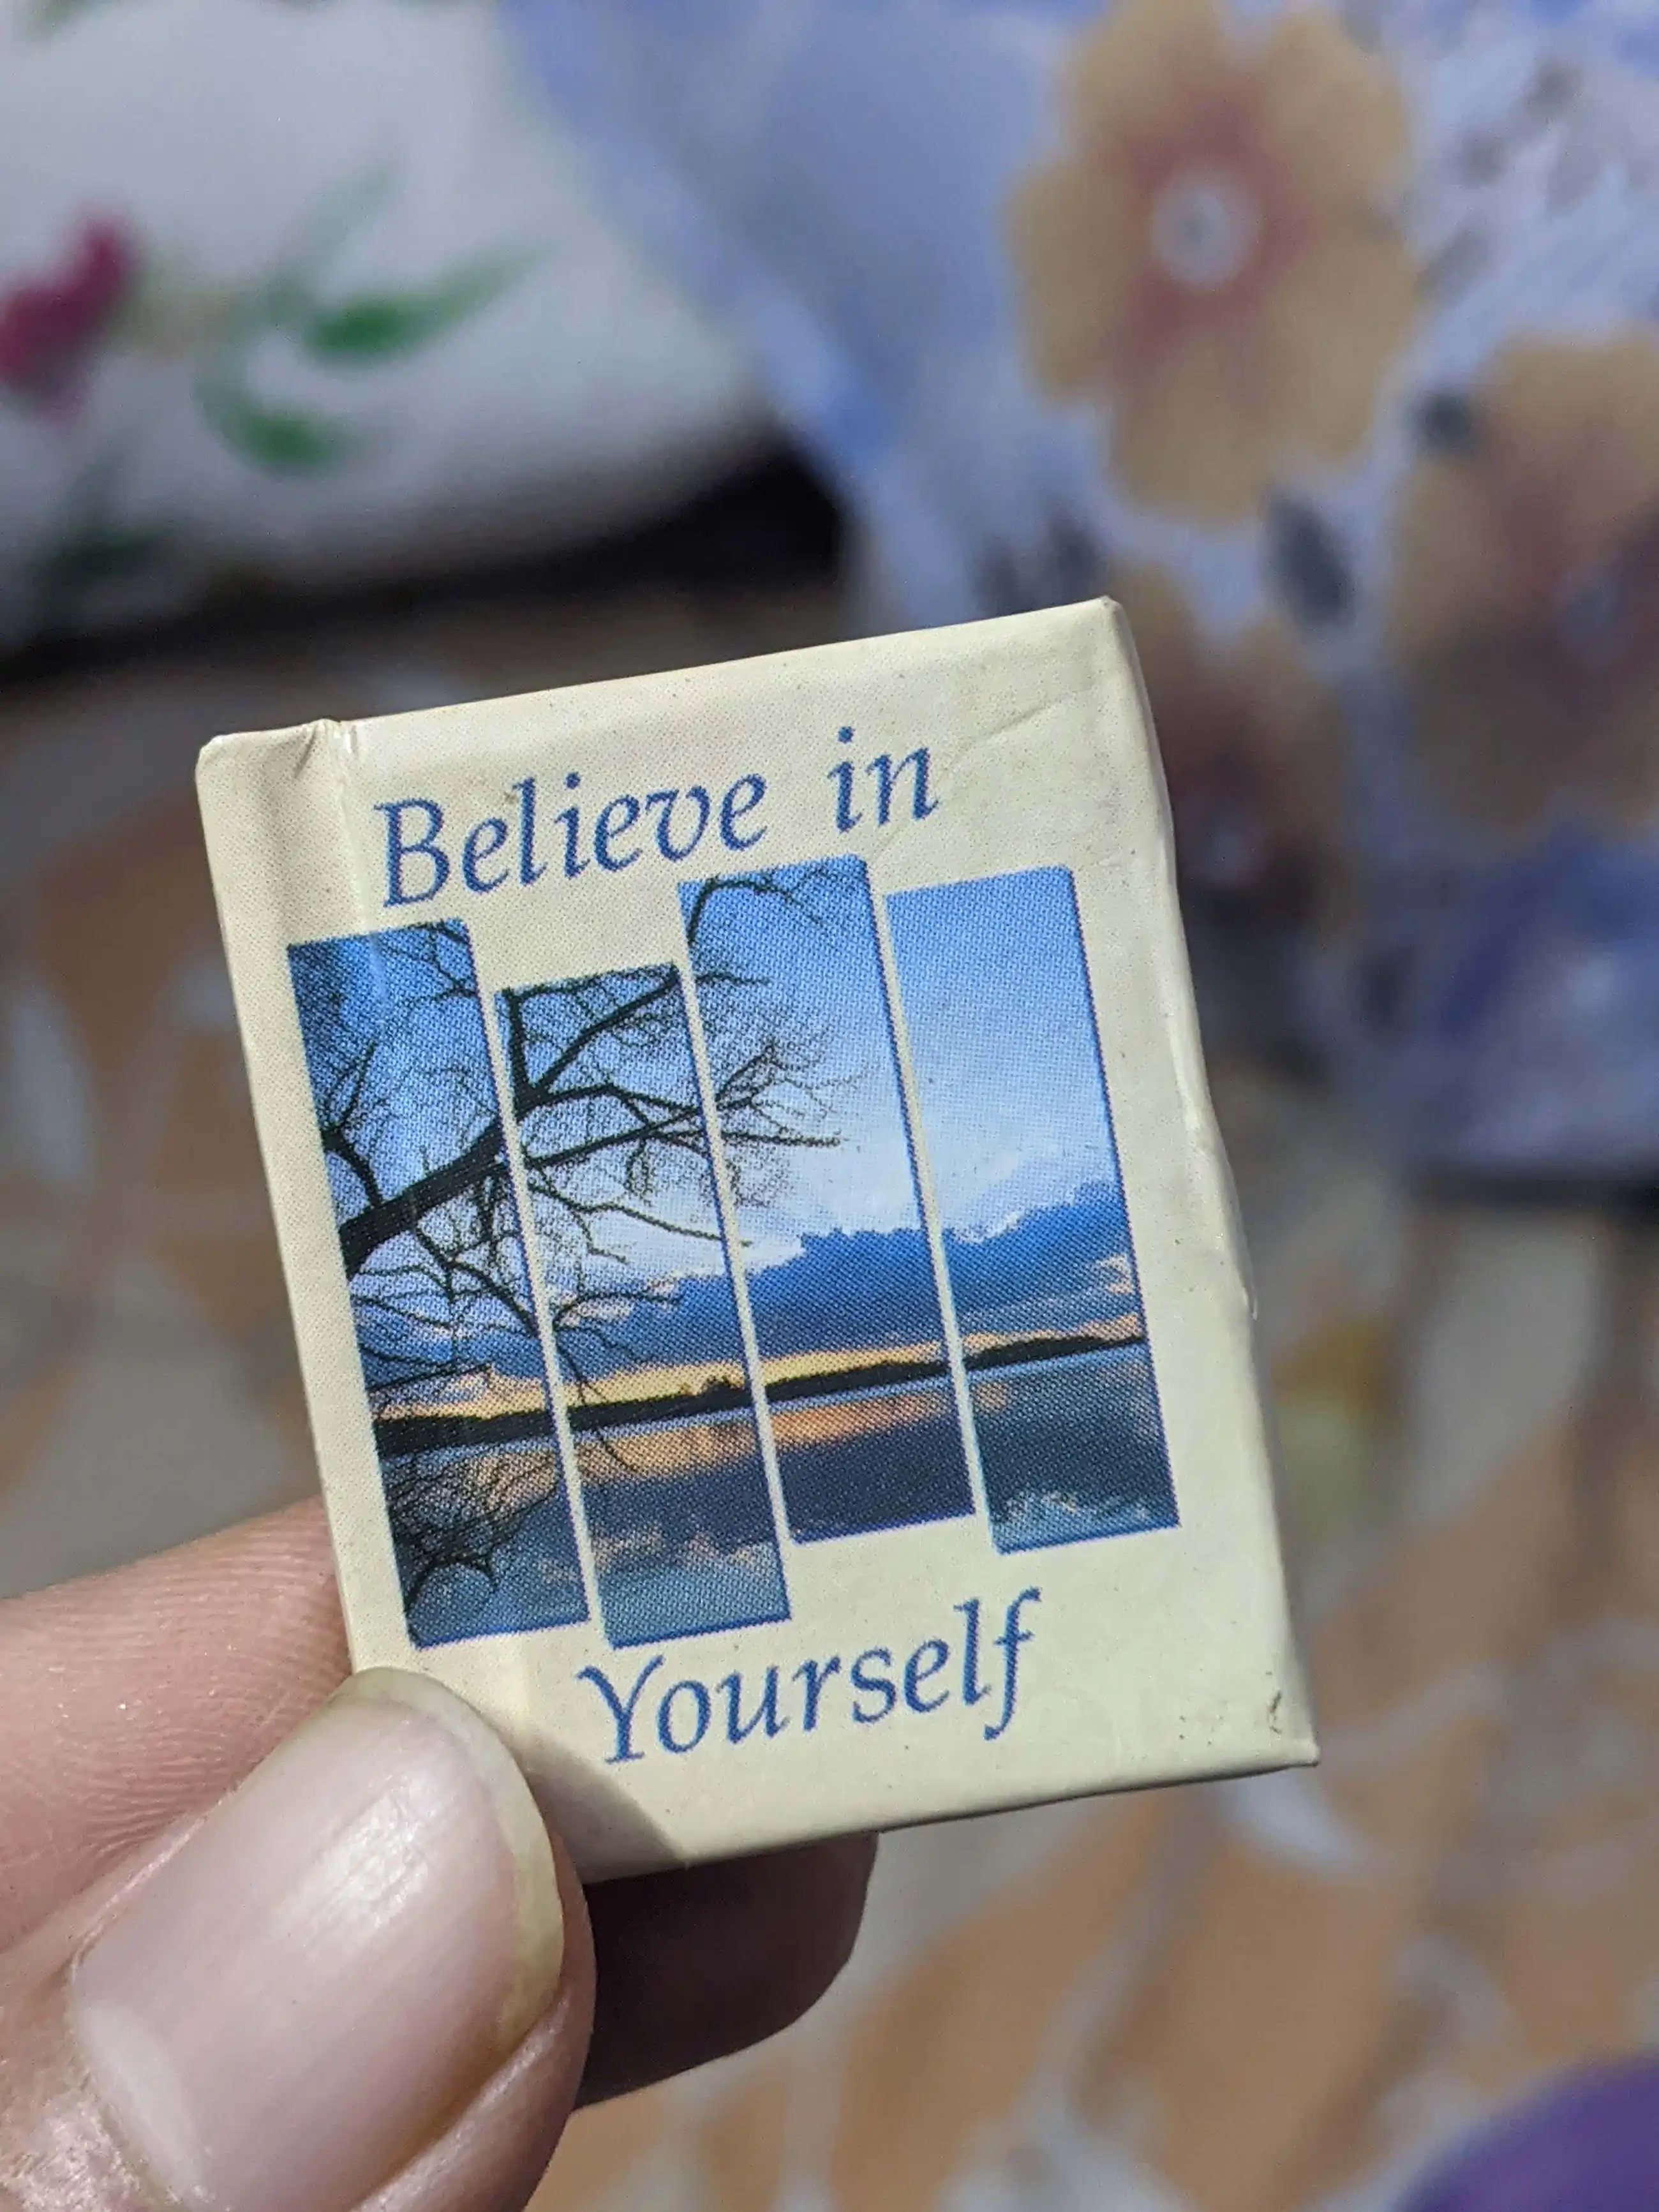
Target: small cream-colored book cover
771 1309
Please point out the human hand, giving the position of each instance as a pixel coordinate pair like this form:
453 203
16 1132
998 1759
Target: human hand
366 1979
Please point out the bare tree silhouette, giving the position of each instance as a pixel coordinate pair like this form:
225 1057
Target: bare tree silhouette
411 1136
611 1120
603 1095
449 1510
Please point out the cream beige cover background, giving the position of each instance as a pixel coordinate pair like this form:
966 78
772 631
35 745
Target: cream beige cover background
1157 1656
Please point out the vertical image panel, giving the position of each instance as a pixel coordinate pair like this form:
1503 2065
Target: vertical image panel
1019 1137
434 1262
636 1277
840 1279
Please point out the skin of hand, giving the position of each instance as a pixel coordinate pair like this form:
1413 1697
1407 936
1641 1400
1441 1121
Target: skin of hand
270 1944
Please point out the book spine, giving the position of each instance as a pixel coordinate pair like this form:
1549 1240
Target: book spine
274 810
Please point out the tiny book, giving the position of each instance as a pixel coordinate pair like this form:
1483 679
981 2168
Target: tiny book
770 1305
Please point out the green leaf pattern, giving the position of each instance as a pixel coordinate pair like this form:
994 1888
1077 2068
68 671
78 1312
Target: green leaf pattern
230 342
285 440
344 332
376 326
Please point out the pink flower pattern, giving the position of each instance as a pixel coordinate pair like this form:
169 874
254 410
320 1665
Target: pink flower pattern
53 325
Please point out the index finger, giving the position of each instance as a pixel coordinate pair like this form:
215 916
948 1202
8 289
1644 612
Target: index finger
136 1698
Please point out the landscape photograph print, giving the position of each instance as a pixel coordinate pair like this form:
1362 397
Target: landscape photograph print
841 1282
441 1300
655 1273
634 1266
1017 1133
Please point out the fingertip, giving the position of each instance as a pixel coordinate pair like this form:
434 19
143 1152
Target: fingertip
696 1965
332 1965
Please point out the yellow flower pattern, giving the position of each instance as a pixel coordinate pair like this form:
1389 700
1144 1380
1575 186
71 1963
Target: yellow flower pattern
1209 258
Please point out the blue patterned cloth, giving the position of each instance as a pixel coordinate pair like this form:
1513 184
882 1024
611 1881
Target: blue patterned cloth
1322 337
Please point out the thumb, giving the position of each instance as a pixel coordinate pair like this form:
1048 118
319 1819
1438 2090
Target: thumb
365 1974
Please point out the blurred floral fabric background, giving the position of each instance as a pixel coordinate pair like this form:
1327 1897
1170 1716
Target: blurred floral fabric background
1327 336
303 297
1324 335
